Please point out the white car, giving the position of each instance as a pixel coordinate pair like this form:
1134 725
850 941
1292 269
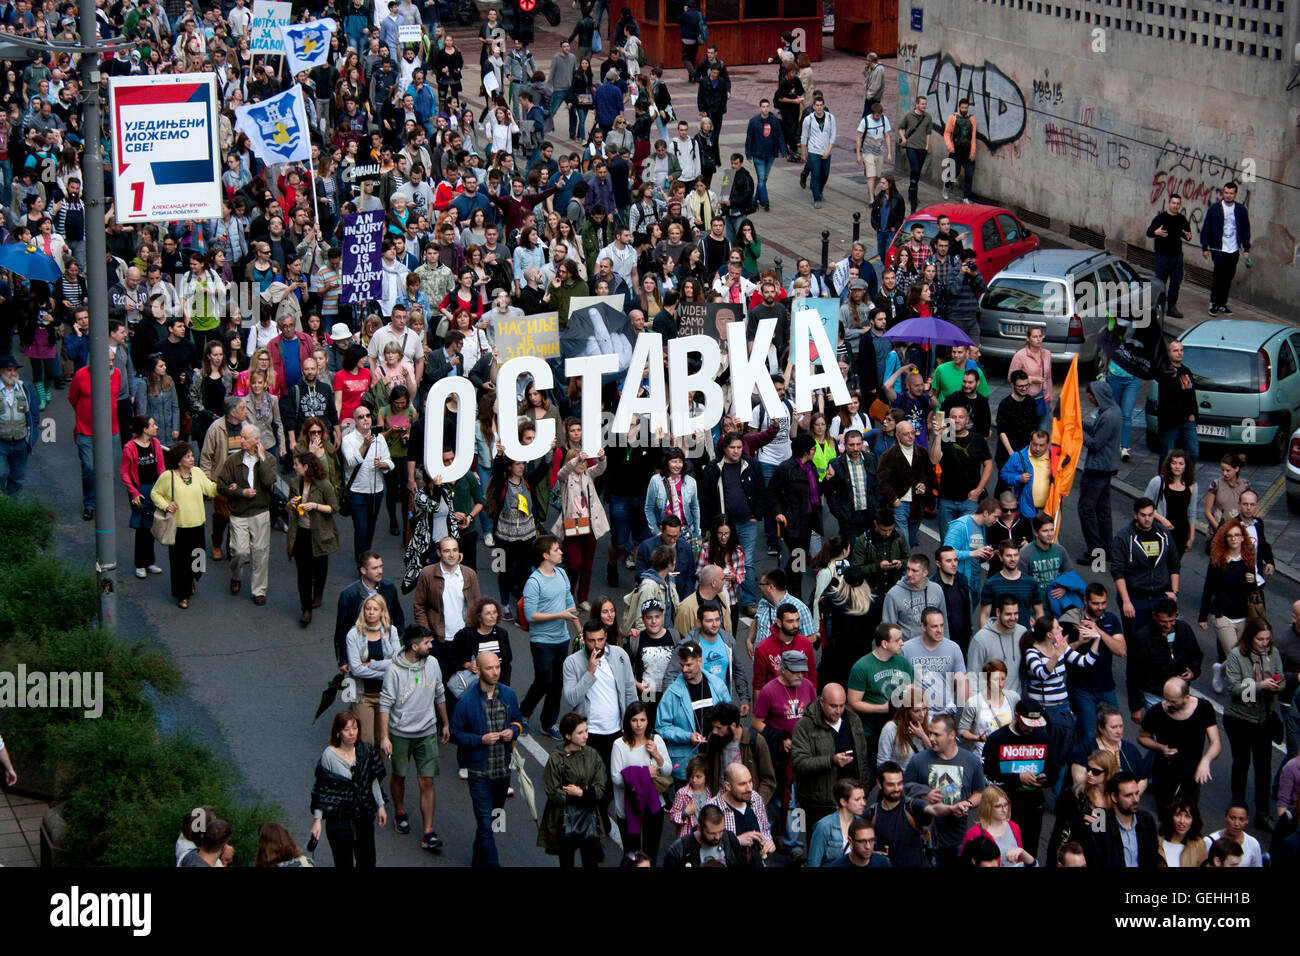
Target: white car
1293 473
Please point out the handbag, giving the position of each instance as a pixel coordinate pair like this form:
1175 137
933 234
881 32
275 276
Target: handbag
663 781
345 509
573 527
164 522
596 44
586 100
1255 606
580 822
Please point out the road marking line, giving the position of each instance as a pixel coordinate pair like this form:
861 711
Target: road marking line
534 749
1274 492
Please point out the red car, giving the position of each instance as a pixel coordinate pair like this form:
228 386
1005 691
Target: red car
995 233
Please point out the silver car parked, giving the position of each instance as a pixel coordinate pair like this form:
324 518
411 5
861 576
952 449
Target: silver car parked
1071 295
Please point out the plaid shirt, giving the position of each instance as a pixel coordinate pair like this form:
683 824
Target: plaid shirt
736 564
765 617
498 761
857 480
755 804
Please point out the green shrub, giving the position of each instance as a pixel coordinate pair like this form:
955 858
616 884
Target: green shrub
129 671
27 528
125 788
42 594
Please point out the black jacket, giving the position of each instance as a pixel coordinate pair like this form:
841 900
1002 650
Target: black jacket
686 852
711 498
350 599
340 798
1152 660
896 477
1175 403
890 217
839 494
741 200
789 494
1104 847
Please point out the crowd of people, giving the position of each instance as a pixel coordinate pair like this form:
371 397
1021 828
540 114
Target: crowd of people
861 699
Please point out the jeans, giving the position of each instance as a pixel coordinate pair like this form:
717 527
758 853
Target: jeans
484 476
769 519
902 519
627 519
1225 267
558 99
1180 436
1250 744
882 243
915 162
1125 388
1094 512
487 795
1085 703
747 534
352 842
581 132
1169 270
548 661
762 167
365 509
819 170
734 219
85 451
13 465
1060 741
949 511
962 166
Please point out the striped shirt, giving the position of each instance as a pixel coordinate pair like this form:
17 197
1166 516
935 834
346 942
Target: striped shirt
818 136
1048 687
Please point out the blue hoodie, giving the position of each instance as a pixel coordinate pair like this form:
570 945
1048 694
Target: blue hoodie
675 720
966 535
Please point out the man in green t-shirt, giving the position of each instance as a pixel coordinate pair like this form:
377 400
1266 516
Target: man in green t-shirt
1044 559
947 377
876 679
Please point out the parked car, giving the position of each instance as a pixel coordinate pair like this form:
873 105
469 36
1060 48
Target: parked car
1247 379
1293 473
995 234
1070 294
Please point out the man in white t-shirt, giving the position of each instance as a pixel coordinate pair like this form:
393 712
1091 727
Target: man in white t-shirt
775 452
874 148
622 255
1236 818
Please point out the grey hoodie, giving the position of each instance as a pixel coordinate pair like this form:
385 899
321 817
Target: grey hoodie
410 695
1101 433
904 604
989 644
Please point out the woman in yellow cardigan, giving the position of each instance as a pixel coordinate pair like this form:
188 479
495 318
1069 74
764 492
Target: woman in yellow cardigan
181 490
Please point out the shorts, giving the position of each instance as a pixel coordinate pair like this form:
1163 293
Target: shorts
873 164
423 749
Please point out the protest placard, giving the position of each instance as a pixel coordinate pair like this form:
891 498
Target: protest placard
537 334
362 262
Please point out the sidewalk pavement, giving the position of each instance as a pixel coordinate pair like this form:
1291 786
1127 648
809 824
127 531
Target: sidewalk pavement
20 830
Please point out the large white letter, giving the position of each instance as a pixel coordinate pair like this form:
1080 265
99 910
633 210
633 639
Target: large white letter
808 322
681 383
649 349
749 368
589 368
463 389
508 416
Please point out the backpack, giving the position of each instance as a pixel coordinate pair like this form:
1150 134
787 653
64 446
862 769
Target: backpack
704 30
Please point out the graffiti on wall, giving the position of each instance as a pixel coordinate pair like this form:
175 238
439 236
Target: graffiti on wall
996 102
1085 142
1047 93
1196 176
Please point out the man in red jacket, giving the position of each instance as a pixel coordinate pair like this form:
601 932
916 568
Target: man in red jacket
79 398
288 351
784 636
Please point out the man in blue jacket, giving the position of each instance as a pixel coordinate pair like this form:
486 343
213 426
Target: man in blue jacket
1225 234
485 725
1029 473
609 101
764 143
683 715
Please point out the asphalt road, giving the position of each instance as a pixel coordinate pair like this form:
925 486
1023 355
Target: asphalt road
254 677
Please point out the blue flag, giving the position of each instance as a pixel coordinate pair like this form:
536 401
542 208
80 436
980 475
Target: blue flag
277 128
307 45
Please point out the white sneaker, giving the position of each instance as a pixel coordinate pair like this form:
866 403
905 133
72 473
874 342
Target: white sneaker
463 773
141 573
489 540
154 569
945 192
1124 455
629 562
1217 680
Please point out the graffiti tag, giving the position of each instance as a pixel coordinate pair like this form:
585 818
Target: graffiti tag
996 102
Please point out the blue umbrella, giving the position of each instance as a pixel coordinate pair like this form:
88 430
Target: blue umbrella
25 260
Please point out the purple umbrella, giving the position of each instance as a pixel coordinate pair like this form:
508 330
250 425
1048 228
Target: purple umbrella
928 331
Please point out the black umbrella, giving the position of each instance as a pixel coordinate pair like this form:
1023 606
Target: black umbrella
599 330
328 695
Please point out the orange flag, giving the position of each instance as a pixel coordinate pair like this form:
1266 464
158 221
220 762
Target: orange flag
1067 443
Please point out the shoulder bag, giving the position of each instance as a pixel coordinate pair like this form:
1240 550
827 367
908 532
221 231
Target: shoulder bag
164 521
345 509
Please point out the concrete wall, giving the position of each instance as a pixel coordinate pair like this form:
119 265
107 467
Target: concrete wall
1094 123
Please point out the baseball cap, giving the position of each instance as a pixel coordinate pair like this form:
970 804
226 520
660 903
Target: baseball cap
1030 713
794 661
654 604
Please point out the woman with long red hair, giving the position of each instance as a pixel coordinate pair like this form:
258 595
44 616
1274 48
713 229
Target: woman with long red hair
1228 580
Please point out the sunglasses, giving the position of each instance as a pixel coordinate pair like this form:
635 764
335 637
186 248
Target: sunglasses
1095 771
